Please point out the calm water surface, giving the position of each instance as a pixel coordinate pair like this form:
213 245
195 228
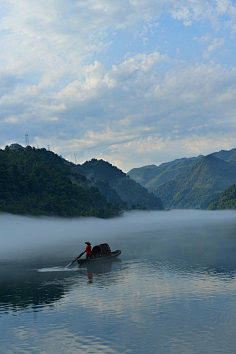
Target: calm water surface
172 290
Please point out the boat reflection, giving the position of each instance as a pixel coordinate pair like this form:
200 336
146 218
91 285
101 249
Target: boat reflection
21 289
24 287
90 276
98 268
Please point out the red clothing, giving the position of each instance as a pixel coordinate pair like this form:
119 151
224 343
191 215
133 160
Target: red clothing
88 249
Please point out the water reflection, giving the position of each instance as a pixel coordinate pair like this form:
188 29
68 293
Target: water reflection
98 268
172 291
39 288
36 288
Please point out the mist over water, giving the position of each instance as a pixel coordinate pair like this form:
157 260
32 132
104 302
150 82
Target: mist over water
164 235
172 290
26 234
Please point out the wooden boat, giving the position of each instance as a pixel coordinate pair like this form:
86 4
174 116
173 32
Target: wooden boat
100 253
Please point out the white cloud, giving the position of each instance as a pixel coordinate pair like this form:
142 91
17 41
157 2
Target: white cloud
141 103
182 13
59 36
133 67
156 149
205 38
12 119
64 79
216 44
225 7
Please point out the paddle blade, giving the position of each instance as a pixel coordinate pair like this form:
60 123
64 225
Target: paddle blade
81 254
68 265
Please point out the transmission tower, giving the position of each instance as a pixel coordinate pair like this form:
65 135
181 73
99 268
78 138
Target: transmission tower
26 140
48 146
75 157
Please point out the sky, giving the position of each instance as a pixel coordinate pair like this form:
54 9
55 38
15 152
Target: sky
133 82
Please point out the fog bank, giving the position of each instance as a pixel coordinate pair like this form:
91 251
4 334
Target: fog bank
20 234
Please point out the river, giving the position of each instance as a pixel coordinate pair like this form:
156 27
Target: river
172 290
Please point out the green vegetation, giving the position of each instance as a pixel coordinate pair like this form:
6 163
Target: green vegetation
38 182
134 194
225 155
131 192
191 188
145 174
227 200
171 171
153 176
214 197
109 192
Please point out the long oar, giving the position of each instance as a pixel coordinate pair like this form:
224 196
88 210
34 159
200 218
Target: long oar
81 254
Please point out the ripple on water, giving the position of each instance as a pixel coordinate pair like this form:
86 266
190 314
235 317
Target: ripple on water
57 269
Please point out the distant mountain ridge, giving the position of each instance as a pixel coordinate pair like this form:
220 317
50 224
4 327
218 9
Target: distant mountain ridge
190 188
225 155
39 182
151 178
171 171
128 190
135 169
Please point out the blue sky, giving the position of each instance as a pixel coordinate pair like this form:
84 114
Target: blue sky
132 82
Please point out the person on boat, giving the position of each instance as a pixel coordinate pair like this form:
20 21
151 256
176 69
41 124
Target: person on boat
88 250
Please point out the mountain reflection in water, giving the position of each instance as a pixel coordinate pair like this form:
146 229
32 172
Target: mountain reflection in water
172 290
22 289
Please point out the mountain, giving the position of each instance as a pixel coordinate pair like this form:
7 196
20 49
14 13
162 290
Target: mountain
39 182
135 169
152 177
145 174
212 198
227 199
191 188
171 171
109 192
225 155
127 189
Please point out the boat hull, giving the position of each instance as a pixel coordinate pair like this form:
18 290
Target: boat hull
113 255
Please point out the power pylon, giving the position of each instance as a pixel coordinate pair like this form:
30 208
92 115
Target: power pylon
26 140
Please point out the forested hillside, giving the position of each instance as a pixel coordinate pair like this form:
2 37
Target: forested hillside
151 177
38 182
212 198
145 174
191 188
171 171
127 189
226 155
227 199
